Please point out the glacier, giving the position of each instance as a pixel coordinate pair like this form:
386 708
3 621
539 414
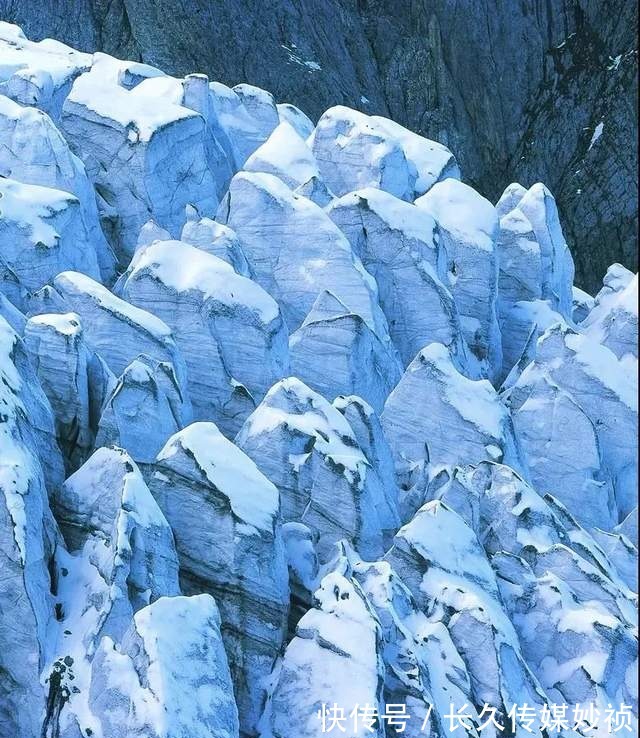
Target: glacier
297 430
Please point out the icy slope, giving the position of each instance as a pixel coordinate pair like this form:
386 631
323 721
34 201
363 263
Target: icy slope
337 432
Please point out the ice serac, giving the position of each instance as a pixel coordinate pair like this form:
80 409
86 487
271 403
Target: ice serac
168 678
243 131
292 115
604 391
336 353
76 381
423 669
145 155
115 329
224 515
574 616
295 251
26 542
539 207
34 152
43 233
38 74
144 408
214 238
367 429
119 557
468 226
307 449
613 321
399 246
440 560
335 659
285 155
353 152
437 415
227 328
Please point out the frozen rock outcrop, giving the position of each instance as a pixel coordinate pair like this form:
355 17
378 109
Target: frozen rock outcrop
333 336
224 515
272 223
169 676
227 328
307 449
468 227
43 232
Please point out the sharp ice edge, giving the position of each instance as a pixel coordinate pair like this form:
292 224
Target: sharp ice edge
334 428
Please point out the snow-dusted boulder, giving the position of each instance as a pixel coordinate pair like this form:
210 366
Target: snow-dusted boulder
214 238
38 74
42 233
76 381
336 353
285 155
224 515
228 329
26 541
353 152
335 659
468 227
440 560
118 331
437 415
145 155
295 251
34 152
398 245
168 678
307 449
299 121
602 389
145 407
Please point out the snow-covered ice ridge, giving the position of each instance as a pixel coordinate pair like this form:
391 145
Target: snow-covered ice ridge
290 416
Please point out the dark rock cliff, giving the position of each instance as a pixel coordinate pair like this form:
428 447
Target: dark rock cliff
519 89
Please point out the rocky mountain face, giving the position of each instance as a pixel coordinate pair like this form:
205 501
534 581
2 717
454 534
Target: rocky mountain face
295 425
534 90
